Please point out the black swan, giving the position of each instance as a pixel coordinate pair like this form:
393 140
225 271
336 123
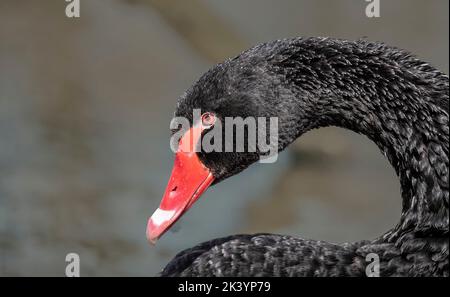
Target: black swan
400 102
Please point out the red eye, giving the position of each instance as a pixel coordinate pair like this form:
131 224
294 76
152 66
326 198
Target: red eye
208 119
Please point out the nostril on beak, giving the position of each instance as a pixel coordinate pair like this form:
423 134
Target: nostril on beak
174 189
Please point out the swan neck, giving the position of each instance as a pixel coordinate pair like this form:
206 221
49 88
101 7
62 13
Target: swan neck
404 111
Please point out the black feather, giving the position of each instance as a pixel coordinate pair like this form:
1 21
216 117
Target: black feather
385 93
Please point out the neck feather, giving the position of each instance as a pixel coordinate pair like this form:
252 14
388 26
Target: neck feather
396 100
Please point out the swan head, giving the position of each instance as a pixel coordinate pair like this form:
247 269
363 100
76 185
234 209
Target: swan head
232 117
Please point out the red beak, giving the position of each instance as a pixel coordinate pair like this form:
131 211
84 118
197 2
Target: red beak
188 181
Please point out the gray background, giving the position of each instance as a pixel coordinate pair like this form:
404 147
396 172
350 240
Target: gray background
85 106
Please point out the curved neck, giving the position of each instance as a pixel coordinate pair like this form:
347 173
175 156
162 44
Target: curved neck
414 140
397 101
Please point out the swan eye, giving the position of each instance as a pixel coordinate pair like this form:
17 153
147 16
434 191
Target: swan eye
208 119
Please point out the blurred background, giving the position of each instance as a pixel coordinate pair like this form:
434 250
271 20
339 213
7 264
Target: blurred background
85 106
